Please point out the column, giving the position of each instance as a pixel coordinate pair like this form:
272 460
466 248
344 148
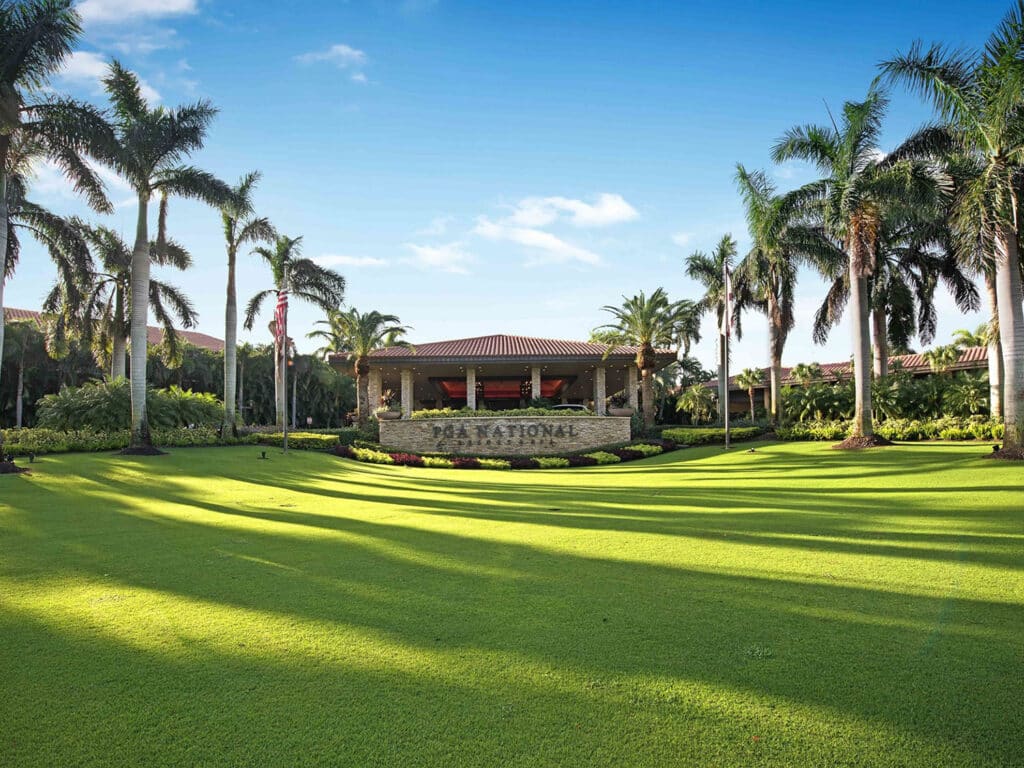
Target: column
374 387
471 388
631 388
768 400
406 393
599 391
535 381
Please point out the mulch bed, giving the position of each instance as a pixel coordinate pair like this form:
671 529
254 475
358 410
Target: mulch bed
857 443
10 468
142 450
1007 454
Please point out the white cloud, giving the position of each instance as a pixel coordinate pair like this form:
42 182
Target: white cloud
106 11
360 78
343 260
437 226
450 257
541 211
87 67
682 239
49 181
343 56
551 247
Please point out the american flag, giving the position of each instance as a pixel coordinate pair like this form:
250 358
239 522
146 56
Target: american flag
280 316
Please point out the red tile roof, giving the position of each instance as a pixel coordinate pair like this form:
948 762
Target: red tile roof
502 346
971 358
156 335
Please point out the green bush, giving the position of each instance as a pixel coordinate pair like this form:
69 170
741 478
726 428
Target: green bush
603 457
371 456
489 464
551 462
707 435
303 441
21 442
437 462
814 430
646 448
105 406
904 430
451 413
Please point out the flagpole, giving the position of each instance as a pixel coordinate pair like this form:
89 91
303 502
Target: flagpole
727 326
284 363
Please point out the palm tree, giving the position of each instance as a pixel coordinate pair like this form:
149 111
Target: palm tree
979 97
963 337
25 346
357 335
860 185
750 379
303 279
150 146
807 373
36 37
649 323
241 227
942 358
708 271
105 311
245 352
766 278
698 401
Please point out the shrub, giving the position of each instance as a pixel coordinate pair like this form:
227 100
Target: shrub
302 441
495 464
814 430
371 456
603 457
105 406
407 459
708 435
551 462
437 462
628 454
523 463
905 430
582 461
645 448
465 462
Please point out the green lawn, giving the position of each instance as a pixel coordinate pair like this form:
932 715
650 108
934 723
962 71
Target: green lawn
795 606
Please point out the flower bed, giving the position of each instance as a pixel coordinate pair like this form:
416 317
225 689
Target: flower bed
372 454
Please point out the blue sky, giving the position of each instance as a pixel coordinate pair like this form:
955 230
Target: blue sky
486 168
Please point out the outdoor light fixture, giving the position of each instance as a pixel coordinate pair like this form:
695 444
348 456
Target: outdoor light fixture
995 449
263 455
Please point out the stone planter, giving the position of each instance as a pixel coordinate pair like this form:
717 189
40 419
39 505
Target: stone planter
620 411
389 415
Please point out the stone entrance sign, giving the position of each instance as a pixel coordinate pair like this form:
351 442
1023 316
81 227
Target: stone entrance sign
505 436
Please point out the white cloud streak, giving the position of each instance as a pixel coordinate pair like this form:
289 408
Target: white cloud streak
451 257
343 260
540 211
552 247
115 11
341 55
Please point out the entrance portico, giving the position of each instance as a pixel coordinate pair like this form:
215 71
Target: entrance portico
504 372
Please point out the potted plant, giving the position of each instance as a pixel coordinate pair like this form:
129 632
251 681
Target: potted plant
618 405
389 408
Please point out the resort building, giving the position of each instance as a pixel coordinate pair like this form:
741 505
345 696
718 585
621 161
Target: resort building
500 372
973 359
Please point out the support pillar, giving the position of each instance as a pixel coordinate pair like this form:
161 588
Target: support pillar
374 388
471 388
631 388
599 391
768 400
406 393
535 389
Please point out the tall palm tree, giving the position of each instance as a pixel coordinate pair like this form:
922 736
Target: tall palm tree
24 345
306 280
750 379
241 227
766 277
105 311
860 184
150 147
708 271
357 334
36 37
650 323
979 97
245 353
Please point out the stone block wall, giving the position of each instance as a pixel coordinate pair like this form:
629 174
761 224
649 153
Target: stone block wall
505 436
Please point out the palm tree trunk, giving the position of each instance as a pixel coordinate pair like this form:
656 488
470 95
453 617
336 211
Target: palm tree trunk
241 389
995 354
19 399
295 400
1011 336
750 394
117 357
775 375
859 322
881 350
362 398
230 344
647 394
4 144
140 319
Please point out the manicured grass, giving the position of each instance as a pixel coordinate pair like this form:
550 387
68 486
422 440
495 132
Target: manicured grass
796 606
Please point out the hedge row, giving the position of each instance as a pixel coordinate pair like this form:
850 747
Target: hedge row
709 435
376 455
948 428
